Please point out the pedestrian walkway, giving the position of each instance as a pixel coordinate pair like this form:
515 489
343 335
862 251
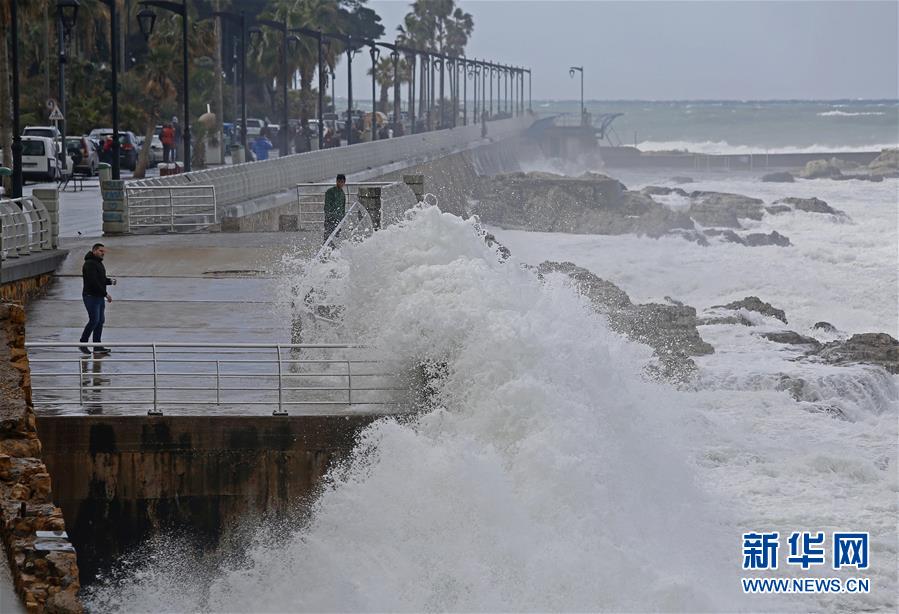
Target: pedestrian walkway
211 287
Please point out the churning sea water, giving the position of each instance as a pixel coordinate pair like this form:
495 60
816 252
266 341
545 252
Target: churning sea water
721 127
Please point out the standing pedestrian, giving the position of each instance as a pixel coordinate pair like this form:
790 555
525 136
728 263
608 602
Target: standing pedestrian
95 297
335 206
168 143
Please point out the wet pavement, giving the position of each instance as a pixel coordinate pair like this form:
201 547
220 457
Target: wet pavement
200 288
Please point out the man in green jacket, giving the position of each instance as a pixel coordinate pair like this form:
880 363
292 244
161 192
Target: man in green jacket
335 206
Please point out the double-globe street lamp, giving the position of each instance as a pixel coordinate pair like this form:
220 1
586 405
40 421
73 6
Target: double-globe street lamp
146 19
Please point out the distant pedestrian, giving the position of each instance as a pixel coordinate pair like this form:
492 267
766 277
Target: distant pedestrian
261 146
335 206
168 143
95 297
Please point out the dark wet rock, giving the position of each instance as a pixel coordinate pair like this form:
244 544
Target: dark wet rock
871 348
825 326
694 236
663 191
775 209
503 251
781 177
756 239
669 329
590 204
724 209
810 205
861 177
790 337
681 179
754 303
711 320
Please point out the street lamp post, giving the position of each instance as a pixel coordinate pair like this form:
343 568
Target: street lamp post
442 101
375 53
146 20
241 21
114 65
475 72
395 56
571 72
411 61
320 43
66 15
16 132
280 26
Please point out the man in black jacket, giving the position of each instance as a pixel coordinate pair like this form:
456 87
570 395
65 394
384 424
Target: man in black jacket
94 294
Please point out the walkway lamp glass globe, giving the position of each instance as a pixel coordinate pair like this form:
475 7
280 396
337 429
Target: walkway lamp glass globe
67 10
255 33
146 20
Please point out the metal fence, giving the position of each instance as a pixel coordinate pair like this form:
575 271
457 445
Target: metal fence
220 377
171 207
311 199
24 227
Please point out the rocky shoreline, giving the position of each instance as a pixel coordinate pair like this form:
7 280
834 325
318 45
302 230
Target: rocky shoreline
597 204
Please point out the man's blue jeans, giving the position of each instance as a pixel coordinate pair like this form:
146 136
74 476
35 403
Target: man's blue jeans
96 315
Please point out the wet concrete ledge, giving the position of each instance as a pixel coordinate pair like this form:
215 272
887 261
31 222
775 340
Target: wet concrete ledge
122 479
32 265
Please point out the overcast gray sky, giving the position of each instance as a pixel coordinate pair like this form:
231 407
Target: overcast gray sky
686 50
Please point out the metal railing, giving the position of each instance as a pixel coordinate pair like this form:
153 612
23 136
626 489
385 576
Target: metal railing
175 207
182 375
311 199
24 227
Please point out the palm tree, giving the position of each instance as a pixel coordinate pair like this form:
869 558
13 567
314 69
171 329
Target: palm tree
438 26
384 77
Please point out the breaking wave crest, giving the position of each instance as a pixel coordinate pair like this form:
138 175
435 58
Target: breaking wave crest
545 475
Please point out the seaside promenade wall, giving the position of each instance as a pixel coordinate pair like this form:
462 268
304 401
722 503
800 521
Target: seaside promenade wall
43 568
131 477
248 188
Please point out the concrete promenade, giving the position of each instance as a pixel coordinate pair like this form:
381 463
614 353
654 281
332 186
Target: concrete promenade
210 287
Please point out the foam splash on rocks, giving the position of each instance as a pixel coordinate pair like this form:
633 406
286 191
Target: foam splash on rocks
546 474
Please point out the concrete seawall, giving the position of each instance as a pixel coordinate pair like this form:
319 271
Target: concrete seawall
126 478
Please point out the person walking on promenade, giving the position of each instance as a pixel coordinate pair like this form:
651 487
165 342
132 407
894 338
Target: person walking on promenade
335 206
168 143
94 295
261 146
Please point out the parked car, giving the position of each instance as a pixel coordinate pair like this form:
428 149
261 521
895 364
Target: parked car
155 150
254 127
84 154
51 132
41 159
128 147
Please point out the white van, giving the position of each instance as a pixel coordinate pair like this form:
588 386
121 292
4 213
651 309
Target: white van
40 159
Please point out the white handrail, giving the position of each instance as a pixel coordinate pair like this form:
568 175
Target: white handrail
25 226
154 375
171 207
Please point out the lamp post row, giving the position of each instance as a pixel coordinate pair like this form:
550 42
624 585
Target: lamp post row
67 11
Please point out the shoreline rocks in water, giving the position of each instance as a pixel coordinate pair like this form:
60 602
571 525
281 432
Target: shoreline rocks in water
669 329
869 348
754 303
597 204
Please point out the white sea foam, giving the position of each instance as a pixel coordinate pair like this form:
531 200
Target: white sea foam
849 113
550 476
723 147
